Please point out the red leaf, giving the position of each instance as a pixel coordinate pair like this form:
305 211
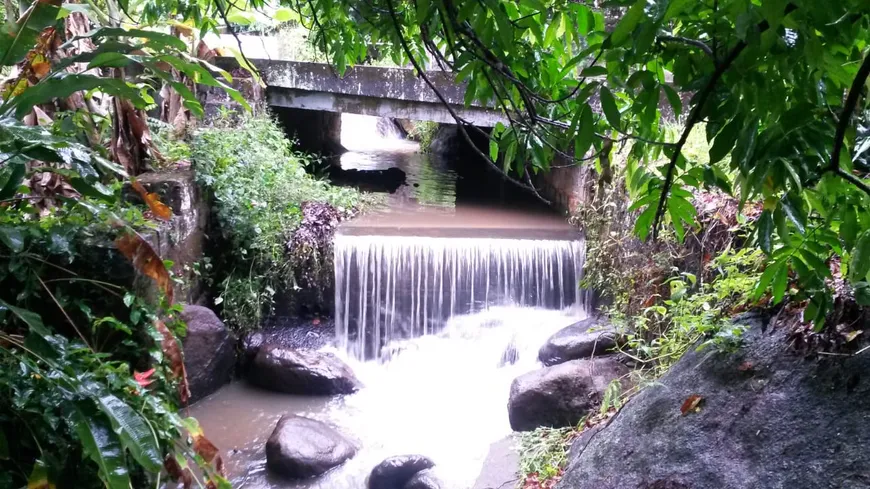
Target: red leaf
142 378
691 404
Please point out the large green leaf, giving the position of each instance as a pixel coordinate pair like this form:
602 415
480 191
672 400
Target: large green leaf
12 237
136 436
16 176
765 231
99 443
859 267
65 85
608 105
30 318
627 24
153 38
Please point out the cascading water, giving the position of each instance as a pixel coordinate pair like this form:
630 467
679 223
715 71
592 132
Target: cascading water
392 288
452 298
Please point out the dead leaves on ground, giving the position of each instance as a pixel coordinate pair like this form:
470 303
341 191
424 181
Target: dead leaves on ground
692 404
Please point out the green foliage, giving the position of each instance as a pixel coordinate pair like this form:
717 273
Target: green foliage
66 400
259 185
769 78
693 311
423 132
544 452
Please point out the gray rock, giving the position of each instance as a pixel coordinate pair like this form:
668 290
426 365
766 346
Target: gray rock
770 418
302 447
208 351
395 472
584 339
501 465
301 371
562 394
424 479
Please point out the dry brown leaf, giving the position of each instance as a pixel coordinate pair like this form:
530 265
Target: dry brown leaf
691 404
205 448
159 209
146 261
172 352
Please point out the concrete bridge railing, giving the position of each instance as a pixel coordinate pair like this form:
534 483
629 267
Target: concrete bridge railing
367 90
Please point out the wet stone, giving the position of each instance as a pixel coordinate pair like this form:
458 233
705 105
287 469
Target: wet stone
396 472
301 447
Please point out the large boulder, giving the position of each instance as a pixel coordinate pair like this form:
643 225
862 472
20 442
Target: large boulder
562 394
302 447
395 472
301 371
208 351
770 417
584 339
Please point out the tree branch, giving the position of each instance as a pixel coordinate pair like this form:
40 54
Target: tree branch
848 109
462 123
689 42
695 117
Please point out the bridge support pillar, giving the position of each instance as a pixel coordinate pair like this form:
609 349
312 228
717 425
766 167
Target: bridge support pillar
315 131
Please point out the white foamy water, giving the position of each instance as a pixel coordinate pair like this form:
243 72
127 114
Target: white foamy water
443 396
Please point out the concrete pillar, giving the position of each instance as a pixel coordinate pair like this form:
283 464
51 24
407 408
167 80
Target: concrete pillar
315 131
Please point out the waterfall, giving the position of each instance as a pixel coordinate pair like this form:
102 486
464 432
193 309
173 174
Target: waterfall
390 288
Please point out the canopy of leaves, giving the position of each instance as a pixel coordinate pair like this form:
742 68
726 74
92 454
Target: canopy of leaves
780 85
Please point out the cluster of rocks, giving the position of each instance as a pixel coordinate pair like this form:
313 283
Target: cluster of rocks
301 448
580 361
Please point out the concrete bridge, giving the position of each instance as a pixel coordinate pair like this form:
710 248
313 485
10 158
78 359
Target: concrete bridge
368 90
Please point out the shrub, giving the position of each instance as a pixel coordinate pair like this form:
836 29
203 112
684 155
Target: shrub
259 185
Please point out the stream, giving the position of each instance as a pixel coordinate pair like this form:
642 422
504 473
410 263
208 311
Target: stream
443 396
442 299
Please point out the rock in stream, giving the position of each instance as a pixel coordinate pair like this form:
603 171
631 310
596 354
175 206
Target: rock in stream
562 394
301 371
301 447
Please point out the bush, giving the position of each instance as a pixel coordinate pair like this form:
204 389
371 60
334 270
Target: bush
259 185
694 311
90 374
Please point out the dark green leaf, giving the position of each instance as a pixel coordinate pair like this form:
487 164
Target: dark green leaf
19 37
765 232
849 227
29 318
608 105
643 225
66 85
859 266
780 283
627 25
794 212
134 432
100 444
766 277
13 238
16 176
725 140
585 132
674 99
